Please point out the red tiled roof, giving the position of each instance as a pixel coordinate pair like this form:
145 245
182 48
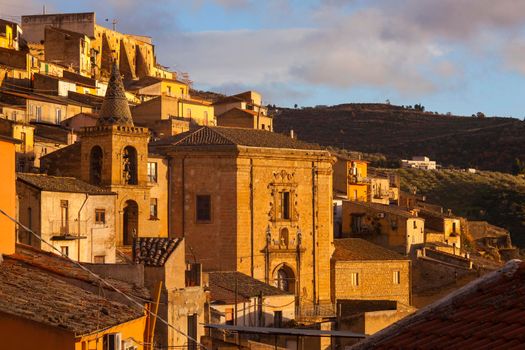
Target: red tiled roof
153 251
488 313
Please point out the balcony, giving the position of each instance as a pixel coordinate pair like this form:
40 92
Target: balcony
68 230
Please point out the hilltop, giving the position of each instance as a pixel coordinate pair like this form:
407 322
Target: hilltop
490 196
398 132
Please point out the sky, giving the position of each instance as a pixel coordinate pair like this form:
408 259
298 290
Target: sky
458 56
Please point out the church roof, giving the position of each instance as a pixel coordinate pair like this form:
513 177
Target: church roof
215 136
115 108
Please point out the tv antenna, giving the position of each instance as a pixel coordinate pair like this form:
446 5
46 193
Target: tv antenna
114 22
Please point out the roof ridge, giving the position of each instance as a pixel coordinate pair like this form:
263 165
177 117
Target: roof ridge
220 134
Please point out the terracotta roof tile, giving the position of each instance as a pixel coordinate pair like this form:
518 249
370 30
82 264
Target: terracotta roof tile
360 249
61 184
218 136
488 313
153 251
32 286
247 287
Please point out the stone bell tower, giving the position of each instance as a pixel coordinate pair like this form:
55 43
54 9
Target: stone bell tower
114 154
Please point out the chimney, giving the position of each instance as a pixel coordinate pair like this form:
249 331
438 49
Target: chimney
292 135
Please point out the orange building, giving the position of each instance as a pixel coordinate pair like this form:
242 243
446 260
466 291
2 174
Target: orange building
349 178
7 194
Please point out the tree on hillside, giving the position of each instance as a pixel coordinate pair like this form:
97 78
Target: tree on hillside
480 115
419 107
518 167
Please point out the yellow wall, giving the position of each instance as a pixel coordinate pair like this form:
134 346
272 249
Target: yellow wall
200 113
358 192
132 332
173 88
7 40
18 129
7 196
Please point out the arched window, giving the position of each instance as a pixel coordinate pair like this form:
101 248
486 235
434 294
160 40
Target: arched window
285 279
95 165
130 222
129 166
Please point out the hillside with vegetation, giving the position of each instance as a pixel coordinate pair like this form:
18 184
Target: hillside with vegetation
400 132
495 197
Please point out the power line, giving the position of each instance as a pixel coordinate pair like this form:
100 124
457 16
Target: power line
151 313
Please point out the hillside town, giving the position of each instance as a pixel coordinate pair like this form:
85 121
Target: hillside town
138 213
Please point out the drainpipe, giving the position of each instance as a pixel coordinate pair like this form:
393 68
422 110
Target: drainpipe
314 240
78 234
183 209
170 163
251 220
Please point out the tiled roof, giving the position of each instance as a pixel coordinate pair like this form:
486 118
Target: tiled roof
488 313
115 108
350 249
246 112
153 251
48 289
378 207
247 287
143 82
61 184
216 136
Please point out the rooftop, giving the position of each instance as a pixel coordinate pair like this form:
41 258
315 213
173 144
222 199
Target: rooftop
61 184
46 288
350 249
215 136
488 313
222 285
153 251
392 209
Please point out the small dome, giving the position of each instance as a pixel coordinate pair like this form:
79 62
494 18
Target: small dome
115 108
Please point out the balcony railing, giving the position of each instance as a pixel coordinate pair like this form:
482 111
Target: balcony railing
68 228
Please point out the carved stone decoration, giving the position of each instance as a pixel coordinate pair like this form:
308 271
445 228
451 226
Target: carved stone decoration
283 176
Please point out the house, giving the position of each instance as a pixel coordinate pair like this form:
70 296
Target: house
485 314
45 108
149 86
182 294
350 178
243 110
16 69
244 301
362 270
167 115
387 225
245 118
114 155
442 228
78 218
262 200
25 149
68 48
10 34
423 163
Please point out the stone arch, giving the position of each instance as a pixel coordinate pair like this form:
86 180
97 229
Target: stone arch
96 157
129 165
284 278
130 222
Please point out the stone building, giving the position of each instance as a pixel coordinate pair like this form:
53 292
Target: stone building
114 155
387 225
244 110
76 217
68 48
365 271
135 54
263 201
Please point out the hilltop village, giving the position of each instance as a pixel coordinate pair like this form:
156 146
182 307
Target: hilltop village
139 213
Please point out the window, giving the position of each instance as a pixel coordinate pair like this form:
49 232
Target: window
99 259
415 224
64 217
112 341
188 112
169 90
192 331
396 277
153 208
454 227
38 113
263 126
355 195
354 279
285 205
100 216
64 250
13 115
152 172
129 160
357 223
95 165
203 208
23 139
205 117
278 319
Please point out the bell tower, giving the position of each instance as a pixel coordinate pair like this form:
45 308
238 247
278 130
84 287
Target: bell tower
114 154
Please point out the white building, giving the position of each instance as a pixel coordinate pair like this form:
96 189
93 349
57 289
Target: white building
419 163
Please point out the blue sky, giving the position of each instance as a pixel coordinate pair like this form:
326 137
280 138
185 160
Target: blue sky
459 56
